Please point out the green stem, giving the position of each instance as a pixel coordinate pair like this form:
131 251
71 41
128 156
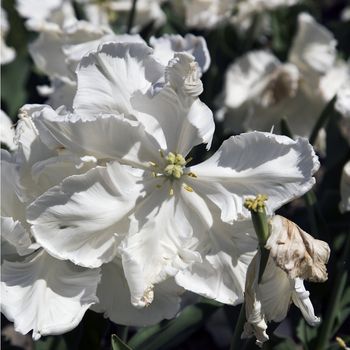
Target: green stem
333 307
261 227
122 332
131 16
322 120
236 341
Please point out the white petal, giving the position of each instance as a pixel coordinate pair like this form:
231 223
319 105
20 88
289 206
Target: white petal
342 104
313 47
337 81
14 234
345 188
183 75
301 112
112 75
7 53
47 50
61 93
51 171
122 139
227 251
46 295
15 237
301 299
158 246
7 132
12 206
255 324
42 161
42 14
270 299
274 292
166 45
177 126
79 219
243 76
255 163
114 296
74 52
207 14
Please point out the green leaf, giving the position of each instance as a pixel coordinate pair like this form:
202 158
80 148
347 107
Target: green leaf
306 334
323 119
168 334
51 343
278 343
118 344
94 327
13 80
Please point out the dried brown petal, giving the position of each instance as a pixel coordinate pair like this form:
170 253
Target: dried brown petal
296 252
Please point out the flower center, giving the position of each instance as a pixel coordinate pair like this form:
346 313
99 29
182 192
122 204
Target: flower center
174 169
176 163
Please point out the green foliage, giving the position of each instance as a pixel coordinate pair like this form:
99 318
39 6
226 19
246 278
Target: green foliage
118 344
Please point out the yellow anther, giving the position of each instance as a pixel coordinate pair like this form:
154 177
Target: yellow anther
169 169
176 163
177 171
171 191
171 158
256 204
188 188
341 343
191 174
155 165
180 160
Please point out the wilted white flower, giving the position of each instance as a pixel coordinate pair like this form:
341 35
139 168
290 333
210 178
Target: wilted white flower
7 53
143 204
294 256
260 90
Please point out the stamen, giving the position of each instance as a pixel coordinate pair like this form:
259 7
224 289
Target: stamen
192 174
171 191
256 204
188 188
